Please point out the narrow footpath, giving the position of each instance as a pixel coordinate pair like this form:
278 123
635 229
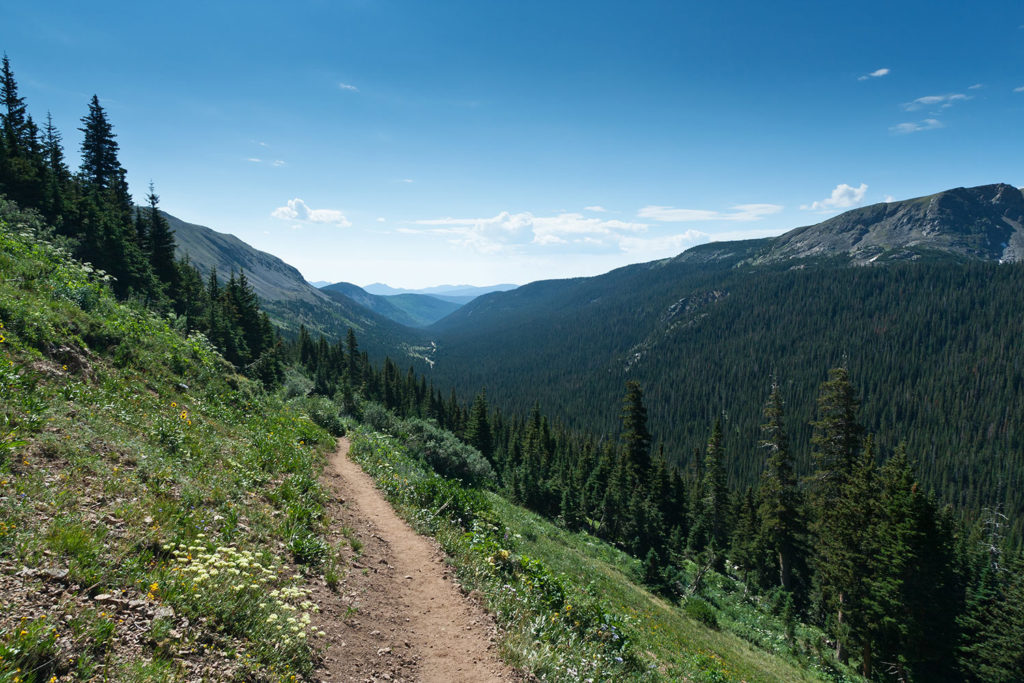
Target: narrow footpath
401 615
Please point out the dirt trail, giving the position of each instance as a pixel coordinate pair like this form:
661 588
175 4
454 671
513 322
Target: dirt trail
401 616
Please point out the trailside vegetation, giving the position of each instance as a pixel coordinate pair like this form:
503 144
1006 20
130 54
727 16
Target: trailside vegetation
90 212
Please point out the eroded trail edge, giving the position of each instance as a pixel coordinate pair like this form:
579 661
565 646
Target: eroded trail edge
402 617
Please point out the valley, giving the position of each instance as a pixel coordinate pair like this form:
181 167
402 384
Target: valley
697 444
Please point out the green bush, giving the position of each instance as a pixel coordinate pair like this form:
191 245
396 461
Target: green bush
324 413
698 610
445 454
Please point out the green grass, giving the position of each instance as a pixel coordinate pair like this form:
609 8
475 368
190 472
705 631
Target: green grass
122 441
681 644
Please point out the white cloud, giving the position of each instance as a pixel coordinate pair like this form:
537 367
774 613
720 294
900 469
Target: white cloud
976 86
348 86
667 244
877 73
406 180
381 219
254 160
297 210
508 231
740 212
915 126
595 209
942 101
889 199
1019 89
843 197
279 162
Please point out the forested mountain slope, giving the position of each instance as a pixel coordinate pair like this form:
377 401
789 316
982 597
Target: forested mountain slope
931 340
288 298
412 310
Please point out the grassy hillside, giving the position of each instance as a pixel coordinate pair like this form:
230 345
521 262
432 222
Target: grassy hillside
158 513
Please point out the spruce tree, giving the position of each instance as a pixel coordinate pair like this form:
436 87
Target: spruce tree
780 498
161 243
100 167
836 441
709 527
478 429
636 440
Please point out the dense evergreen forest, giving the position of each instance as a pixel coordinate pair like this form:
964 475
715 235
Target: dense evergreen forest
907 590
932 344
820 516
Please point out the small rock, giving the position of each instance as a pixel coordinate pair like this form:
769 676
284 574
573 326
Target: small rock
147 520
383 651
104 597
57 574
164 612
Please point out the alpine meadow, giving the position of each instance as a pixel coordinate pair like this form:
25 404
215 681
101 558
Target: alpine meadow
692 443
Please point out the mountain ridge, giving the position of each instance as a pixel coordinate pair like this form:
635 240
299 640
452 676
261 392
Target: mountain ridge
288 299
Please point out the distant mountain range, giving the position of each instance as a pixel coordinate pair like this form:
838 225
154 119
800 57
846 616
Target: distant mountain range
289 300
455 293
414 310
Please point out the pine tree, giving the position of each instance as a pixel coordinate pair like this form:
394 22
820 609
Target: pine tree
15 116
780 498
100 167
836 441
709 527
636 440
161 243
478 429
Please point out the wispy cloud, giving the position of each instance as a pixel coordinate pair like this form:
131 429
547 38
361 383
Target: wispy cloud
297 210
1019 89
740 212
915 126
595 209
254 160
843 197
279 162
348 86
513 231
877 73
941 101
661 245
976 86
406 180
381 219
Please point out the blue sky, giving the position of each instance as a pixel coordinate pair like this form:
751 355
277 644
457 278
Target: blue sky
419 143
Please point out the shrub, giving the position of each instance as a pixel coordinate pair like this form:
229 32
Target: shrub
446 455
697 609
